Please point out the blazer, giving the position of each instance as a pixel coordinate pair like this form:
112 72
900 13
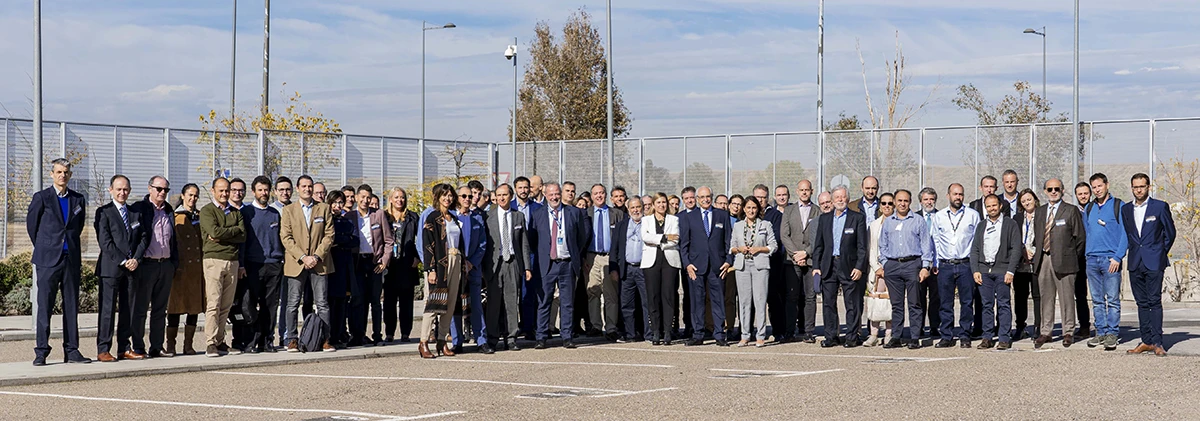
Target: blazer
575 228
381 235
302 239
853 245
474 226
977 204
614 216
775 217
763 236
146 208
616 258
1067 237
796 234
706 252
404 237
653 241
1009 254
1149 249
856 206
517 236
1036 263
49 229
118 241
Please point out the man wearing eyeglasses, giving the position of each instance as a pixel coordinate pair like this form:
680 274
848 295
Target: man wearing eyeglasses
152 285
1151 232
237 193
1061 229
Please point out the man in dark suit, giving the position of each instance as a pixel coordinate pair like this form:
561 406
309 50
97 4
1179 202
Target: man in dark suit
995 253
123 241
795 234
704 237
928 292
562 234
868 204
506 267
1063 241
54 223
1151 231
841 255
604 220
157 268
987 186
531 291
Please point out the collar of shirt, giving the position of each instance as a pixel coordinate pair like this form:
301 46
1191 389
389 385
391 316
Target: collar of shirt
61 193
803 204
1143 204
896 216
840 215
119 205
309 205
261 207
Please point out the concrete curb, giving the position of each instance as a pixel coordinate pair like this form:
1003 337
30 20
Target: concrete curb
89 332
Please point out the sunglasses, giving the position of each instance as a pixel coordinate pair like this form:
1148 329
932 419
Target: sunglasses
887 203
161 189
464 196
1053 189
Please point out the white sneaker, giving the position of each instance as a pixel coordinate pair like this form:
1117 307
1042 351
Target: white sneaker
871 341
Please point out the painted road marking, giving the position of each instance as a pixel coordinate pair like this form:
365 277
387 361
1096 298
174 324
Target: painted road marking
422 379
548 363
746 374
240 407
795 354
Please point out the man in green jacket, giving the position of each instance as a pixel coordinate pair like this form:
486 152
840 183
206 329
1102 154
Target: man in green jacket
222 231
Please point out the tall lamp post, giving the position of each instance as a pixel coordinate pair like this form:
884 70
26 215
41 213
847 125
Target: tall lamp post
421 142
511 54
1043 35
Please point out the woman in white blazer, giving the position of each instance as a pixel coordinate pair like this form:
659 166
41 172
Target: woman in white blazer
753 242
660 265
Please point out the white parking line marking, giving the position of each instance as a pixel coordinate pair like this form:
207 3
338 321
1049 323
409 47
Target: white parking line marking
929 360
778 373
220 406
551 363
796 354
424 379
635 393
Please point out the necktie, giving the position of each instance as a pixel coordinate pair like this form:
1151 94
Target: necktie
600 231
124 217
505 231
707 230
554 232
1049 224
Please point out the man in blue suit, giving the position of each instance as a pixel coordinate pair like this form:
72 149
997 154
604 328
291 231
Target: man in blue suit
1151 233
531 292
562 235
704 247
55 221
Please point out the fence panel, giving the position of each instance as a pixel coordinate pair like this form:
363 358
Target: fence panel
363 161
897 157
747 156
1175 152
141 154
582 163
1054 157
400 168
323 158
505 172
705 160
237 154
190 153
796 158
848 158
1002 148
950 158
1118 150
92 150
663 165
626 163
283 155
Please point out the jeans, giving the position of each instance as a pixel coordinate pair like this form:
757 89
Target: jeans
296 287
1106 295
997 305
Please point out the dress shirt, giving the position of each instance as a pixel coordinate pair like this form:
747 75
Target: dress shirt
633 243
61 193
904 237
564 252
1012 205
991 239
307 212
869 208
839 225
953 232
1139 213
160 237
601 241
364 233
524 209
805 210
279 206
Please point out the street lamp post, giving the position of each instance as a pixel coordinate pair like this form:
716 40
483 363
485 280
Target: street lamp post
421 142
1043 35
511 54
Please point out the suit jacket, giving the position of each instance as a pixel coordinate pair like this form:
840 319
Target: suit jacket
576 230
1009 254
616 259
1035 265
653 241
775 217
856 206
1005 208
404 238
474 226
763 236
381 235
118 241
49 230
796 233
705 251
517 236
614 216
302 239
1149 249
853 245
1067 237
146 208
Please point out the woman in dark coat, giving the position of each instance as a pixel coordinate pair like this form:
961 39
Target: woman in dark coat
444 269
401 275
345 241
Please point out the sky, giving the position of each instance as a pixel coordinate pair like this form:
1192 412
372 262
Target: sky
686 67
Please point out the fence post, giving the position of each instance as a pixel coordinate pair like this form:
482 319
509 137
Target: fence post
1032 154
1151 172
775 156
167 153
62 138
117 154
7 205
642 166
492 163
562 162
1091 138
874 142
420 161
685 161
262 151
343 163
303 153
976 159
728 168
921 150
383 163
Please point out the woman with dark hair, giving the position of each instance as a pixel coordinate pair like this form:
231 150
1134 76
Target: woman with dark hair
1025 282
445 267
735 208
673 204
753 242
582 202
660 265
187 286
345 240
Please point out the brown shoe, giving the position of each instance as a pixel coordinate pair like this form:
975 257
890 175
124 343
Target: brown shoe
1159 351
105 357
1068 340
1004 345
1041 340
446 350
327 347
1141 348
293 346
423 348
132 355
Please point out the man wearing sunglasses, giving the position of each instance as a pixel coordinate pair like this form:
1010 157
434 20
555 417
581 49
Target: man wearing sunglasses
1061 230
152 285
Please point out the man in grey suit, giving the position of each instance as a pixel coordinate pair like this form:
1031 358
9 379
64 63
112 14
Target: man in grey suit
995 253
1063 238
506 265
797 232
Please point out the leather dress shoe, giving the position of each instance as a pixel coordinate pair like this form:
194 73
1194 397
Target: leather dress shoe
722 342
1141 348
851 343
76 358
894 343
693 342
486 349
985 344
914 344
39 361
1041 340
1004 345
1159 351
1068 340
828 343
132 355
105 357
540 345
511 343
964 343
809 339
569 344
944 343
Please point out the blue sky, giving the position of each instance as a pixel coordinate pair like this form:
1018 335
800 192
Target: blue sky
686 66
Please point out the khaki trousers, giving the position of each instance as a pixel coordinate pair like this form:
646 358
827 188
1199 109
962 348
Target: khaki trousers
600 284
219 288
1050 284
436 327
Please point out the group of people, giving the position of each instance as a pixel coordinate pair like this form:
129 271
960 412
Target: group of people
518 261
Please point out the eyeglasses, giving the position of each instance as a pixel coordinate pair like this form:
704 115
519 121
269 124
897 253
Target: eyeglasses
161 189
1053 189
464 196
887 203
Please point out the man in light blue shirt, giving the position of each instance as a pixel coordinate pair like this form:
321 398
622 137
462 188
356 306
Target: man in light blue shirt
906 254
596 265
953 231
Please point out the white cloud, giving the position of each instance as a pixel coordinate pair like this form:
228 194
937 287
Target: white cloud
1125 72
156 93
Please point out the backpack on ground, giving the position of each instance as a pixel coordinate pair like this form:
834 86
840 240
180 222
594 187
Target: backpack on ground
314 334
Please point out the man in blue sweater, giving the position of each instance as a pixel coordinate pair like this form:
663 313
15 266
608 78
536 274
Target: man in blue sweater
262 269
1106 245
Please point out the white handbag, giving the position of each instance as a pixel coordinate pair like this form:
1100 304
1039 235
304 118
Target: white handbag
879 309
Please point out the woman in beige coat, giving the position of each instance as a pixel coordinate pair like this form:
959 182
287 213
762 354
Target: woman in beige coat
187 288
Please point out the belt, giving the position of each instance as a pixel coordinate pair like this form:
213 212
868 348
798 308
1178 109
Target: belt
153 259
560 260
633 264
989 264
906 258
953 261
366 254
598 253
